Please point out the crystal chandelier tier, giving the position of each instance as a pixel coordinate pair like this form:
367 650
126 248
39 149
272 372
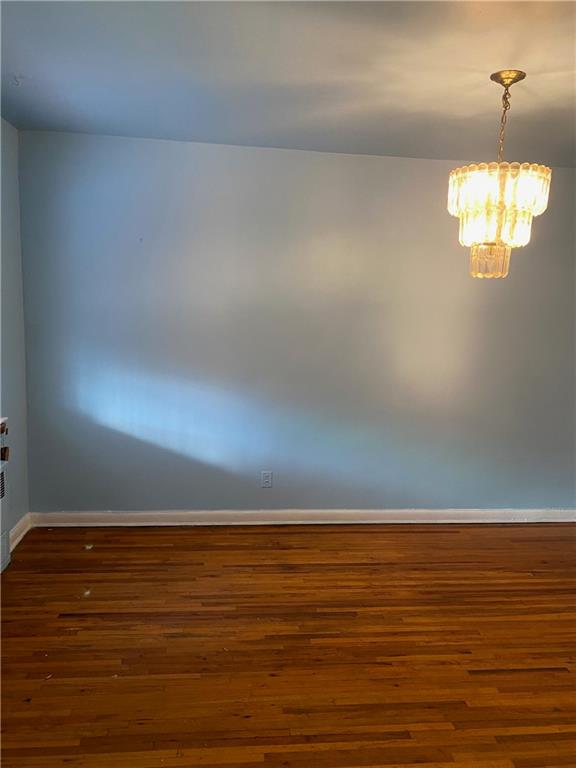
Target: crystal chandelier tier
496 201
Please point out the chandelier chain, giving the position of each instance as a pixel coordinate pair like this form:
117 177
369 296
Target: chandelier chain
503 119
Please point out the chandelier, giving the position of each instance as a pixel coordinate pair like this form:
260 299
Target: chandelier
496 201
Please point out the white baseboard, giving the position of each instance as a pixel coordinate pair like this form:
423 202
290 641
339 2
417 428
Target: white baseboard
302 516
21 529
286 517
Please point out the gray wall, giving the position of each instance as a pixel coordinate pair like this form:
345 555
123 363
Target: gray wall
13 389
196 314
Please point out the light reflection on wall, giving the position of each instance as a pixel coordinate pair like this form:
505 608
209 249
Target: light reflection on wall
242 434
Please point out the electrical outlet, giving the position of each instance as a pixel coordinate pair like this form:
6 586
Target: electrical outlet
266 478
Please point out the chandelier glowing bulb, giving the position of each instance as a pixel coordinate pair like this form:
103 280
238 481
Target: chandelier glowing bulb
496 201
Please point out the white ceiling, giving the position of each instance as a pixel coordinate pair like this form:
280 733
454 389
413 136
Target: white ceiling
392 78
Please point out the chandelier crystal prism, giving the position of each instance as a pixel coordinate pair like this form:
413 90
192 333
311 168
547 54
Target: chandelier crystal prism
496 201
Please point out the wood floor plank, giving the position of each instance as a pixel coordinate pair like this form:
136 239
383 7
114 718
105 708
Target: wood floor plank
270 647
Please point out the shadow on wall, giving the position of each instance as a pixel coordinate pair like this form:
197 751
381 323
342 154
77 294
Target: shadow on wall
94 467
240 434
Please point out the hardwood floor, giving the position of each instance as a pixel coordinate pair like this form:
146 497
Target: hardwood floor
266 647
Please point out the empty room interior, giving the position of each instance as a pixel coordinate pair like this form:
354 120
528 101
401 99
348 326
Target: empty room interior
288 385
